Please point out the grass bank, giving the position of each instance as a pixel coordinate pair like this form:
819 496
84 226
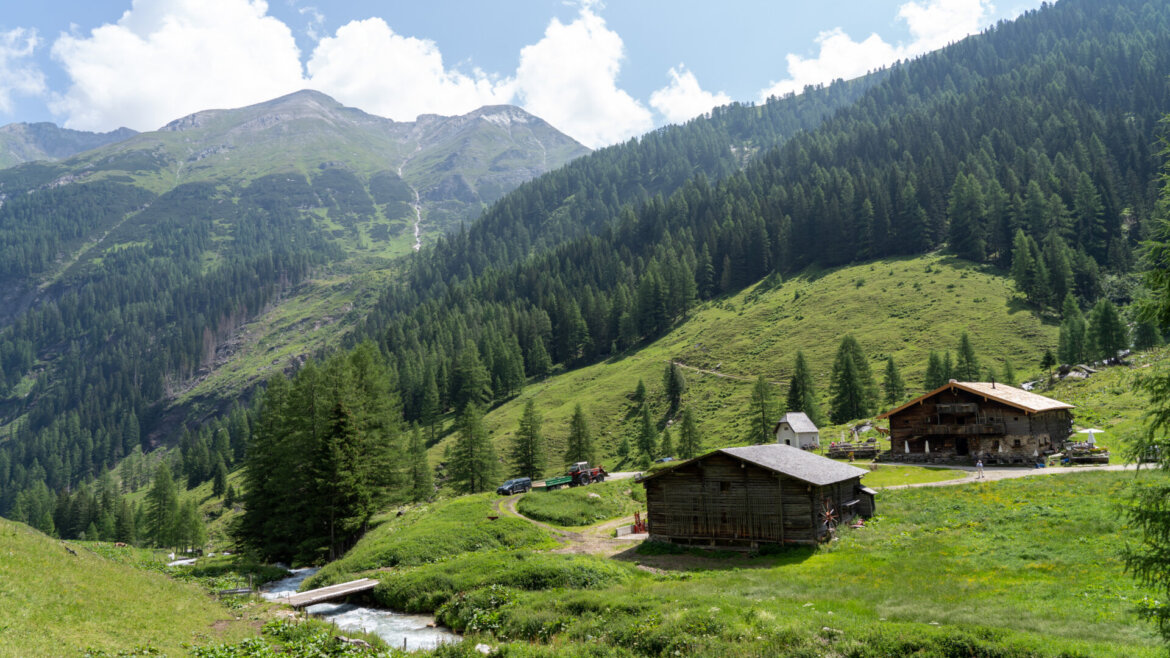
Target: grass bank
430 533
61 598
583 506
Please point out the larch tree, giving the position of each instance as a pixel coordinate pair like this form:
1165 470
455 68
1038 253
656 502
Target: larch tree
763 411
422 485
674 385
647 435
967 364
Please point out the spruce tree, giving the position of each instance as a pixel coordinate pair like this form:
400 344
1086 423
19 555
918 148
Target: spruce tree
846 392
802 395
948 368
867 385
893 384
1072 346
473 461
688 437
422 485
967 365
763 411
647 436
219 481
1146 336
674 385
1109 334
580 442
1009 374
934 372
471 382
528 447
666 447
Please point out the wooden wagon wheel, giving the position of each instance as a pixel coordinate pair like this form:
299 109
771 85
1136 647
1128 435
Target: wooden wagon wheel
829 519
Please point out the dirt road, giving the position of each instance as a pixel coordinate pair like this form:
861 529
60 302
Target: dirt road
991 473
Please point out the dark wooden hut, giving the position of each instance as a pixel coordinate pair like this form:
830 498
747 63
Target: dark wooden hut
966 421
745 497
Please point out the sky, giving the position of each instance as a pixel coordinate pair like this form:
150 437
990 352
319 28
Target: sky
602 72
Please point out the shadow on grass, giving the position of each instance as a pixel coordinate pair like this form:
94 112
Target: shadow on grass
673 557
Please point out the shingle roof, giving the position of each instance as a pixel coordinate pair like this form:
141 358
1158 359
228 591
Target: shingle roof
1016 397
798 421
792 461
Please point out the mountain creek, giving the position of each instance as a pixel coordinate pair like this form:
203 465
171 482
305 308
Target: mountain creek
410 632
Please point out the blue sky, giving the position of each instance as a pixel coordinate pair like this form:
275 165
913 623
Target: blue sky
601 72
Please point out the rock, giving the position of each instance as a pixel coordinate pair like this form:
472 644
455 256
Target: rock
593 495
483 648
352 641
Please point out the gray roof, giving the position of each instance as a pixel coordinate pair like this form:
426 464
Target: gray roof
797 463
798 421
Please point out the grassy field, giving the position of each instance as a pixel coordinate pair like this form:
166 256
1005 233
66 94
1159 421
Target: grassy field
901 307
58 603
430 533
1012 568
883 475
583 506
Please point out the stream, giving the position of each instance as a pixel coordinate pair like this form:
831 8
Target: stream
397 629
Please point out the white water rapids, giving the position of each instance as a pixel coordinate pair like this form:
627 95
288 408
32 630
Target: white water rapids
399 630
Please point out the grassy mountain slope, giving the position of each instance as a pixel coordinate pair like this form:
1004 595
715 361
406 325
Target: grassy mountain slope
903 307
60 603
25 142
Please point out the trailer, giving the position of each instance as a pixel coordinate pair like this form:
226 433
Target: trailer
551 484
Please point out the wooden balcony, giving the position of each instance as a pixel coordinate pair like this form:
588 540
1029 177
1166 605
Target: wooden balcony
969 429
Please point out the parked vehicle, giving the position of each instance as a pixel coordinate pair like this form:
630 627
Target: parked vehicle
582 474
515 486
555 483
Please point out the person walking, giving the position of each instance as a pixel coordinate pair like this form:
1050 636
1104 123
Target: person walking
979 469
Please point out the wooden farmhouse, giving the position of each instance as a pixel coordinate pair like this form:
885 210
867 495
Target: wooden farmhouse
966 421
797 429
745 497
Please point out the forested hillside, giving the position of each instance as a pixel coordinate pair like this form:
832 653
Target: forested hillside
125 305
1028 146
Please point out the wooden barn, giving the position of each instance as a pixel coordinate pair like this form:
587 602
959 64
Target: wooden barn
966 421
795 428
745 497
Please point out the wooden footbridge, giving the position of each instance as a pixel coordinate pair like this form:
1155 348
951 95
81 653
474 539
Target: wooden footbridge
323 594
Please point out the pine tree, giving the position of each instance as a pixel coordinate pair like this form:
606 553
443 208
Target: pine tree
422 485
689 442
893 384
802 395
580 442
967 365
528 447
666 447
674 385
473 461
647 438
763 411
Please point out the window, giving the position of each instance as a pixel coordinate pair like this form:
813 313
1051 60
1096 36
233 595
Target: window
1016 444
724 486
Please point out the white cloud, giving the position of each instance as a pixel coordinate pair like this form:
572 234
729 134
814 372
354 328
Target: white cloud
367 65
168 58
683 98
932 23
569 78
164 59
17 74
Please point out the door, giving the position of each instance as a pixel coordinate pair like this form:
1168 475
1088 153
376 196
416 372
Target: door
961 446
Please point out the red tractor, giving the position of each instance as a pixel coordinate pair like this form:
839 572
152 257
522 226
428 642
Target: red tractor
582 474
